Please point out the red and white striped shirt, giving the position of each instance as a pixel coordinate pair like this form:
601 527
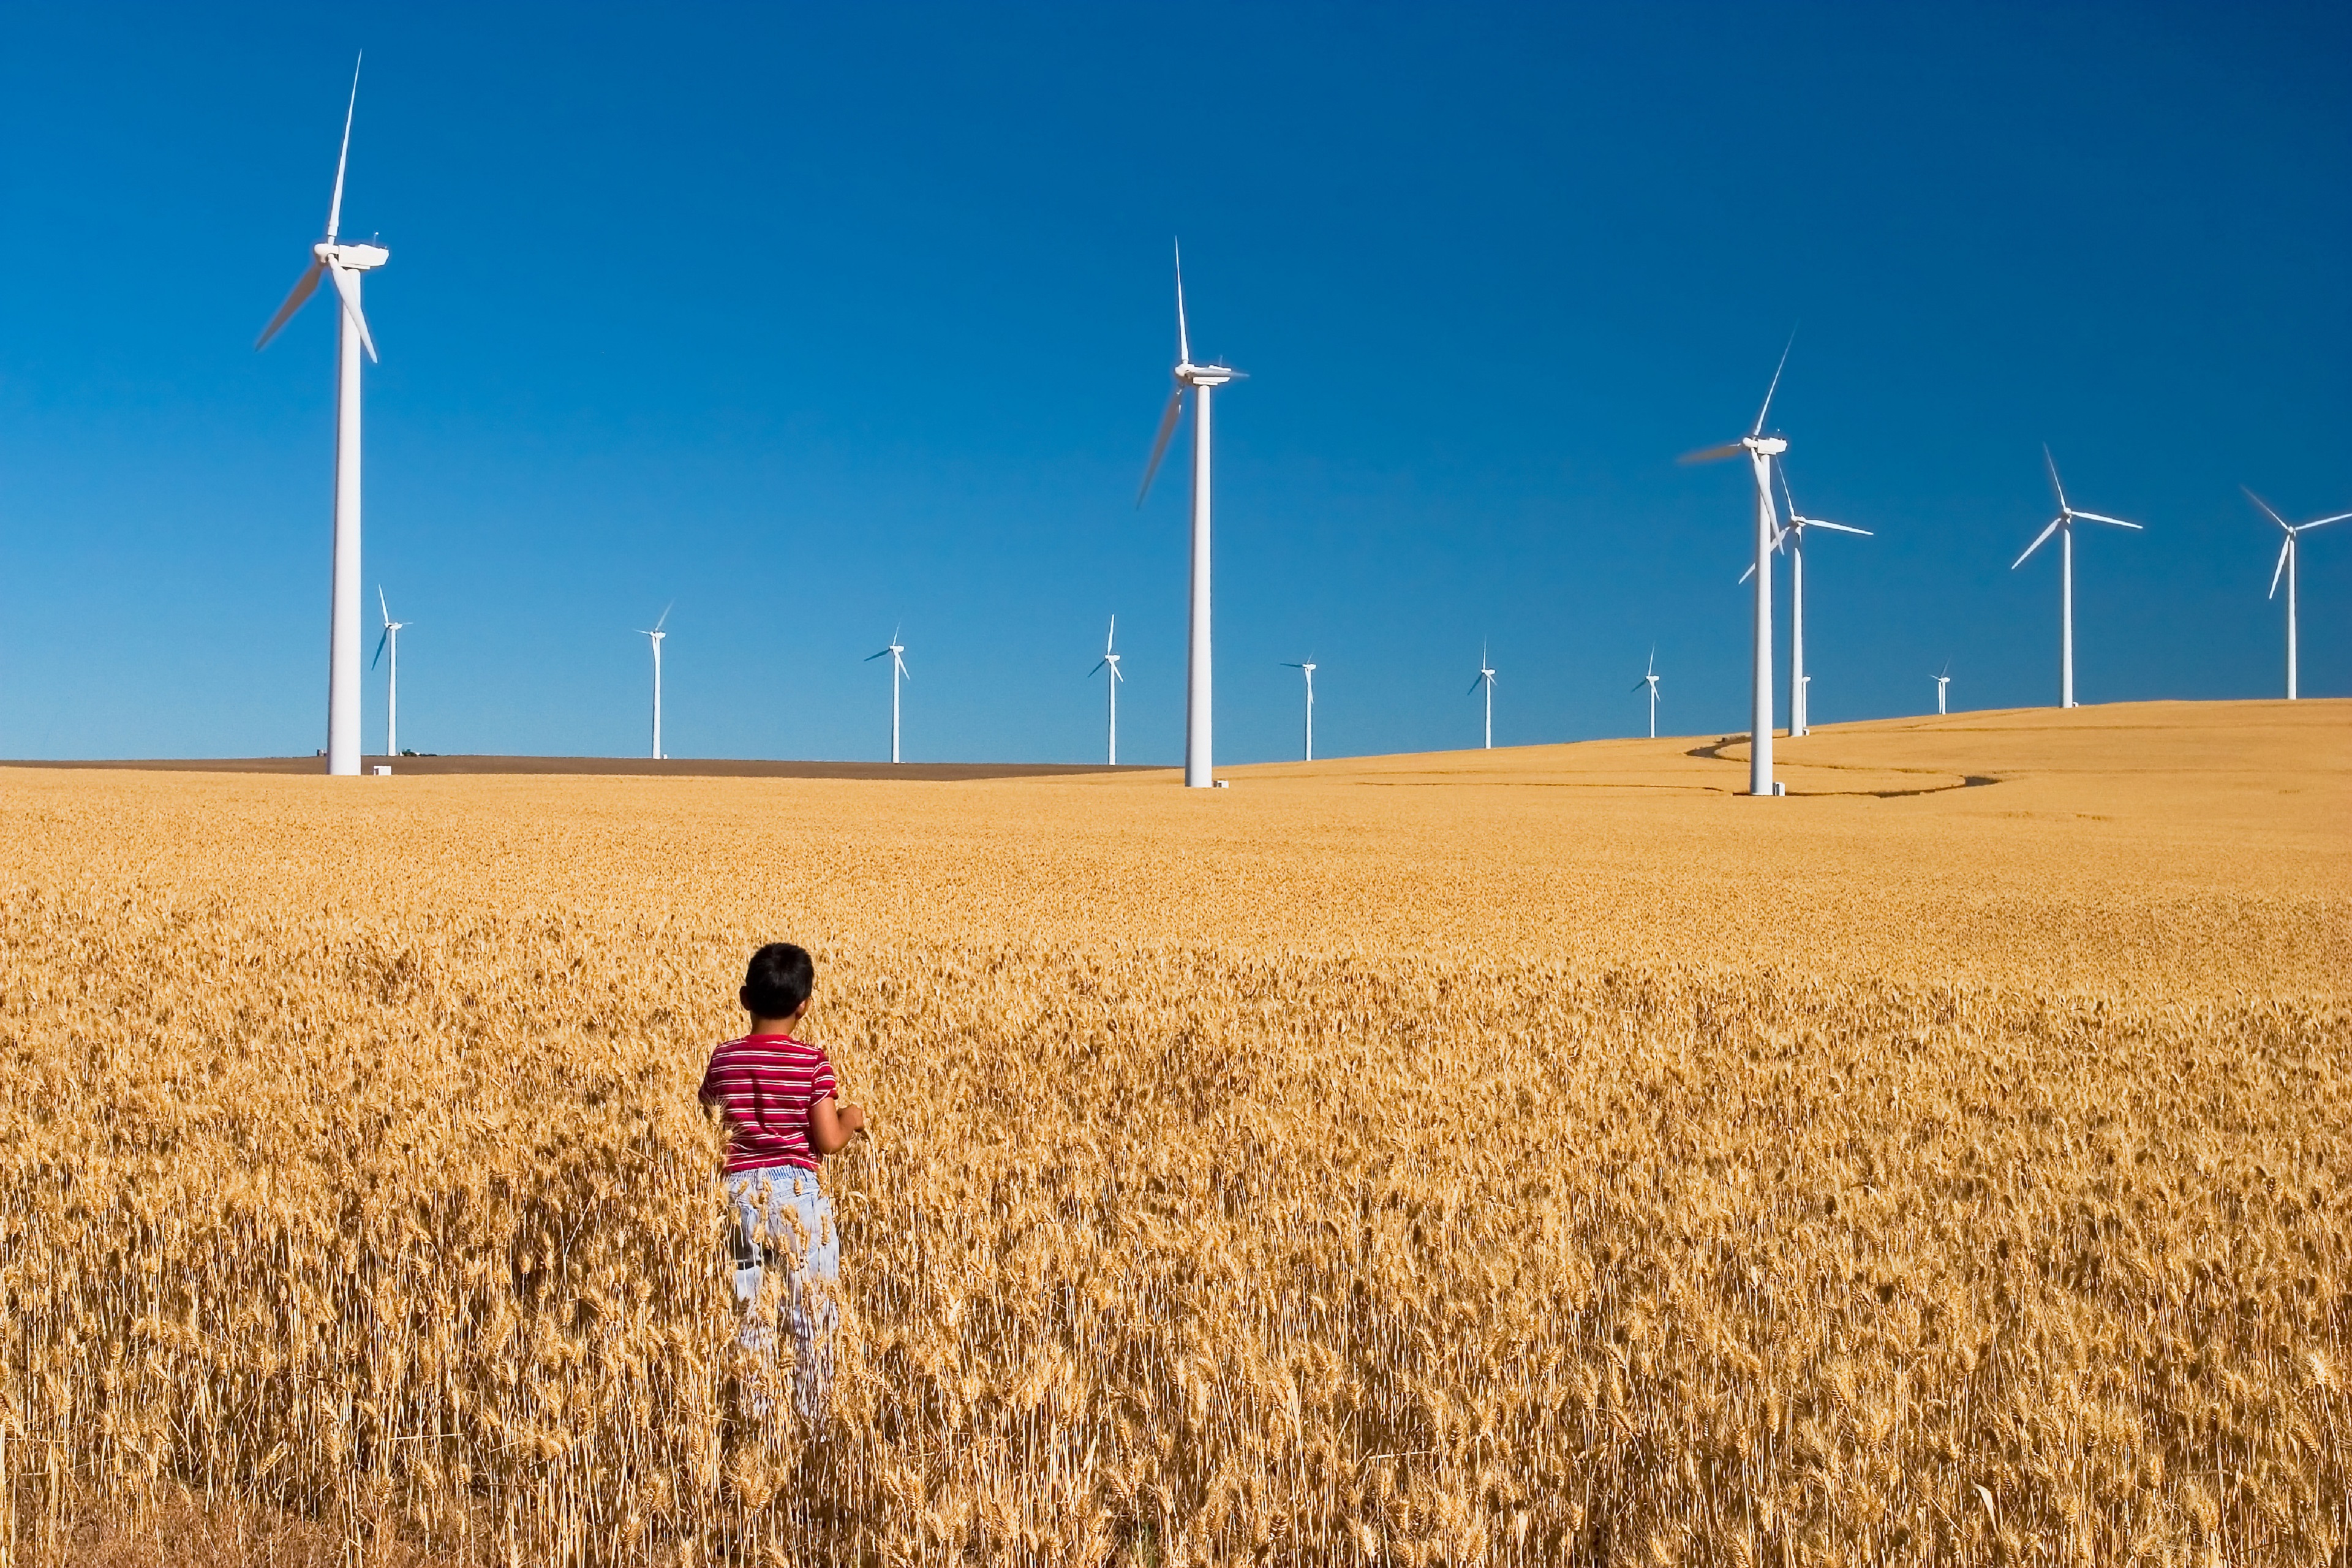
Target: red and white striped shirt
763 1085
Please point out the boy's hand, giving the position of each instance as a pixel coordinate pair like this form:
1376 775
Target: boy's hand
832 1126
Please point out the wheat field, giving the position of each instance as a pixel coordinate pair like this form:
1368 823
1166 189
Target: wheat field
1532 1156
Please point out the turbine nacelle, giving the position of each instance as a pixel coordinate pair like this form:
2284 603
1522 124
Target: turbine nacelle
350 258
1191 374
1746 446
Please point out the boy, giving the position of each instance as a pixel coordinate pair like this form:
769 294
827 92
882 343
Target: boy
776 1095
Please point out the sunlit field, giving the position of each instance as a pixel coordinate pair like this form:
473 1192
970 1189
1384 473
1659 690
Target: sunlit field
1542 1155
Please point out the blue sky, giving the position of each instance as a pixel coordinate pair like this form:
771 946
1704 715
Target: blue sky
818 322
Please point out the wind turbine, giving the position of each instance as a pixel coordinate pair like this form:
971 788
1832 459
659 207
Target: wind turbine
1486 679
1306 668
341 264
1942 682
898 669
1651 681
1110 662
2063 525
1759 449
1200 380
656 634
2288 552
390 640
1799 704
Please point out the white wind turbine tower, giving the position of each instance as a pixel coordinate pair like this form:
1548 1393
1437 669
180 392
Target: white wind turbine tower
1486 679
898 669
1306 668
2289 553
1651 681
655 635
1110 662
1942 682
2063 526
390 640
341 264
1200 380
1759 449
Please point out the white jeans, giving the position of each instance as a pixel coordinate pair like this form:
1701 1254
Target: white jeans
784 1222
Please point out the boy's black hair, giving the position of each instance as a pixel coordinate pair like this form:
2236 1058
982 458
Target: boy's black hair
778 980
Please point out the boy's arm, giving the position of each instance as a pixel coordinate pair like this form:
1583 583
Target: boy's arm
832 1125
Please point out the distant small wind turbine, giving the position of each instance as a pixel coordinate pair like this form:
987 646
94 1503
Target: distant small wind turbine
1486 679
1942 682
342 265
1651 681
2063 526
1199 771
2290 554
897 669
1760 451
656 634
1306 668
1110 662
389 641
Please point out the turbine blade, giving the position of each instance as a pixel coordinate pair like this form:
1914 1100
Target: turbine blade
335 208
1111 637
1159 442
665 615
382 606
1749 573
2279 571
379 646
2267 511
1714 454
1838 527
1776 384
2053 464
2039 540
870 658
1183 342
347 284
2323 522
2094 517
304 286
1100 666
